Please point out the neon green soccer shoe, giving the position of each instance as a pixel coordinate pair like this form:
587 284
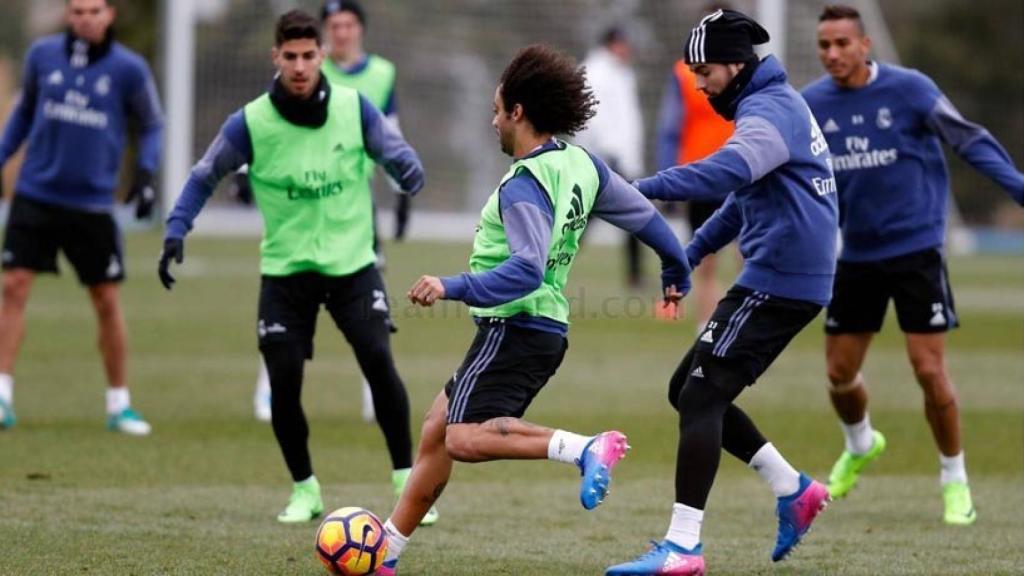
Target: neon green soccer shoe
846 471
305 503
959 507
399 478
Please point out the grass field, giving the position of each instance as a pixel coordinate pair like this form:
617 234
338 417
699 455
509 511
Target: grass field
199 496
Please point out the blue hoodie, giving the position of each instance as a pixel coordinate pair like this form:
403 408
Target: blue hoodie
780 194
74 116
886 139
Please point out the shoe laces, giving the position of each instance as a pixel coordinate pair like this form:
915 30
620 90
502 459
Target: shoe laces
656 549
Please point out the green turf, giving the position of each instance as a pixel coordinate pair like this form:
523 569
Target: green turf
199 496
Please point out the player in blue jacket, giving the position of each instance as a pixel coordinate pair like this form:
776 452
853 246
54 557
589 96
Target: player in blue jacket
780 199
885 126
80 89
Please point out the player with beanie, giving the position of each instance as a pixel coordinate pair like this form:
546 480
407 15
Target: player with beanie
780 201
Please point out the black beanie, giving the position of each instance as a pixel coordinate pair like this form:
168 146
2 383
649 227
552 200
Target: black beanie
724 37
335 6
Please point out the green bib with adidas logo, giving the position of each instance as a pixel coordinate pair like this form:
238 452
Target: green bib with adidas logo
570 179
312 187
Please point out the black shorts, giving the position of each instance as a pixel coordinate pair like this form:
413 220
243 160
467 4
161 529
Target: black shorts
917 283
698 212
746 333
358 304
91 241
505 368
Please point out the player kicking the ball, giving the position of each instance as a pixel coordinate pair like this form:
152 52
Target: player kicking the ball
780 200
525 244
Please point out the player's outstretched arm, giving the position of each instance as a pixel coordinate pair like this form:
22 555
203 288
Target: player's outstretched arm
621 205
229 151
385 144
755 149
977 147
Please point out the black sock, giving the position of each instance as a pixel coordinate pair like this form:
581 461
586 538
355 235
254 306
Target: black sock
285 363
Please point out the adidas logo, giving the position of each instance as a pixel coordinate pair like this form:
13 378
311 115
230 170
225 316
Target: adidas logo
338 148
698 372
832 322
939 319
830 127
114 267
708 337
380 302
575 217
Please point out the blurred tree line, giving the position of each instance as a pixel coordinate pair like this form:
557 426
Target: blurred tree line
973 50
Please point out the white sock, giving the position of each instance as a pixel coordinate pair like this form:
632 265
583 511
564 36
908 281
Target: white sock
263 381
685 527
7 389
860 437
117 400
396 541
783 479
567 447
953 469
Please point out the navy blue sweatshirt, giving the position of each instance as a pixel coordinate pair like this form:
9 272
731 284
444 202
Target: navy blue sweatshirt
528 215
780 192
74 113
886 147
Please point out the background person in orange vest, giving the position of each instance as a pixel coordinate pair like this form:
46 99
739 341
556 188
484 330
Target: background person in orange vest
689 130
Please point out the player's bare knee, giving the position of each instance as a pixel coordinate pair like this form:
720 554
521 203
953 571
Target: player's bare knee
930 373
16 288
460 442
843 383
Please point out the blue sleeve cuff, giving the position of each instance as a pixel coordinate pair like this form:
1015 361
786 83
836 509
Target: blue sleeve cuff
176 229
454 287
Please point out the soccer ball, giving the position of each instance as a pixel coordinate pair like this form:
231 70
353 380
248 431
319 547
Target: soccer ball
351 541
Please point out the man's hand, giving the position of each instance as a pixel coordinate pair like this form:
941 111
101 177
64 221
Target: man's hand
671 307
243 189
426 291
143 193
174 249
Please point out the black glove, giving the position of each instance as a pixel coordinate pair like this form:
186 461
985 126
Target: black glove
174 249
143 193
402 210
243 189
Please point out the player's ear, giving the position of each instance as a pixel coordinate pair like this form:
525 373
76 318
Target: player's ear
517 112
275 54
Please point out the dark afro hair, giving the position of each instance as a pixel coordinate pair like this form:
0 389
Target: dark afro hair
551 88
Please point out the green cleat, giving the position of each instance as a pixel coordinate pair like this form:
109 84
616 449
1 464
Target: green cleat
847 469
305 503
7 419
399 478
959 507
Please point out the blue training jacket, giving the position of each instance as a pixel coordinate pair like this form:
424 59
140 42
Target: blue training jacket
74 116
886 147
780 194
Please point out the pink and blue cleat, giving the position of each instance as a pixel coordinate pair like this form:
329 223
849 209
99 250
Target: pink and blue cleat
600 455
796 513
388 568
664 559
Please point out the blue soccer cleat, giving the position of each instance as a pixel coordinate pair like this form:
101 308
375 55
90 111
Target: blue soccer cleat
664 559
600 455
796 512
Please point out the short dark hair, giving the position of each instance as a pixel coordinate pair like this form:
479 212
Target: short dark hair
614 34
551 88
841 12
332 7
296 25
